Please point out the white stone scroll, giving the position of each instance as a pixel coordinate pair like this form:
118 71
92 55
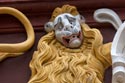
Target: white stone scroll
118 55
118 44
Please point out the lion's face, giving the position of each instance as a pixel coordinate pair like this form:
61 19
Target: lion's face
68 30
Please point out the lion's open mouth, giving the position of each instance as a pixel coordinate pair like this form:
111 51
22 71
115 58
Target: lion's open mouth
69 39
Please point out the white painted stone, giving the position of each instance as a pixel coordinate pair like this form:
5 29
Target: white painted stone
118 44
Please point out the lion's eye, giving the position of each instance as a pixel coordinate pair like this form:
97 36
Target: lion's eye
59 26
72 23
71 20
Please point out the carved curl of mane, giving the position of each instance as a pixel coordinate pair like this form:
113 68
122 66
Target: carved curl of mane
65 9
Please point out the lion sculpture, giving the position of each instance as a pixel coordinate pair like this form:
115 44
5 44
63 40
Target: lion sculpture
71 52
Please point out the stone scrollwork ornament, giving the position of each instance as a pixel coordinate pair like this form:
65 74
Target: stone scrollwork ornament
118 44
12 50
118 55
71 52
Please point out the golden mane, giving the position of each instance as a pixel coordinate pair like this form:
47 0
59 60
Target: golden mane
65 9
54 63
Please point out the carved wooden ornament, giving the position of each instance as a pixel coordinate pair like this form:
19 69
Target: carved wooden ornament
71 52
11 50
118 55
118 44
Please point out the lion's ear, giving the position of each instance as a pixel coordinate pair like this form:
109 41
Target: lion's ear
49 26
80 18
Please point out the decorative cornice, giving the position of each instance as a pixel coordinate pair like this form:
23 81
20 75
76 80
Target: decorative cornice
39 12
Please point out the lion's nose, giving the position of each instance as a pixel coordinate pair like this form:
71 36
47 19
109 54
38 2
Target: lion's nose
75 31
68 28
